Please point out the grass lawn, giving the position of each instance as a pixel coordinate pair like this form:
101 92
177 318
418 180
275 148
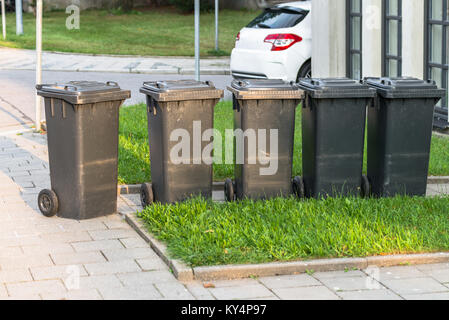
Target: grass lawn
202 233
134 164
152 32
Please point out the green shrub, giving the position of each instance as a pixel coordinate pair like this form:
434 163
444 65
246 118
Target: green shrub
189 5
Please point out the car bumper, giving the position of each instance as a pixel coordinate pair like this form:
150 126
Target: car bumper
259 64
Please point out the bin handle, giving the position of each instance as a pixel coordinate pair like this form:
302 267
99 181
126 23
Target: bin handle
210 83
235 104
40 86
70 88
374 103
112 84
307 102
152 104
160 84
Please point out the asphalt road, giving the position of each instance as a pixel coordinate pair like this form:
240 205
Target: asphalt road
17 86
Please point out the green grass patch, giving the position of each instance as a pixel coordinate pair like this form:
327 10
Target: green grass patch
203 233
439 156
152 32
134 163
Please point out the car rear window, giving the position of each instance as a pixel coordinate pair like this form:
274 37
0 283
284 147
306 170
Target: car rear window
279 17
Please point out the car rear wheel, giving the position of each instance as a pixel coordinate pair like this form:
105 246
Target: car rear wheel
305 71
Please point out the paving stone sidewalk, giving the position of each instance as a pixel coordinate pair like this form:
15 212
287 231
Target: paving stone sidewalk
19 59
54 258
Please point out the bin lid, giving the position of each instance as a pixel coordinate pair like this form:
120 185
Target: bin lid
173 90
178 85
265 89
405 87
84 92
262 84
333 88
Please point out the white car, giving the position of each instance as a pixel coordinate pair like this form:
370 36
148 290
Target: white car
275 45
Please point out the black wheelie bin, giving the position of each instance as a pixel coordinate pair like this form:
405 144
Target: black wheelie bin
399 135
333 133
267 106
82 124
179 110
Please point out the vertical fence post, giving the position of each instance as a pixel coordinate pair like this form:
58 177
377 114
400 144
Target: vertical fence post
19 18
4 19
38 61
197 40
217 10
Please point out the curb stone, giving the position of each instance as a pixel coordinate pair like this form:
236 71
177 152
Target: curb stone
129 189
412 259
438 180
219 186
135 188
229 272
126 55
181 271
444 134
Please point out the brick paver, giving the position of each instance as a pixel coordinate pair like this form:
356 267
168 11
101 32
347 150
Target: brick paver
256 290
415 286
381 294
174 291
306 293
351 283
405 272
103 258
302 280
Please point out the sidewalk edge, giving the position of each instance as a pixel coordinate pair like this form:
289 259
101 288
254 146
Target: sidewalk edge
219 186
181 271
228 272
325 265
135 188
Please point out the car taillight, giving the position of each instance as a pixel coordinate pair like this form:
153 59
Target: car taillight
282 41
237 38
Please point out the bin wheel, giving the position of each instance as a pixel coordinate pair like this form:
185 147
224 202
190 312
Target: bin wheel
146 195
229 190
298 187
48 203
365 190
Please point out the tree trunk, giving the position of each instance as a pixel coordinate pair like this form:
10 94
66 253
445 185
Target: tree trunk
127 5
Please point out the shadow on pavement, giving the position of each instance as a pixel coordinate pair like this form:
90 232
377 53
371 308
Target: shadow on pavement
24 170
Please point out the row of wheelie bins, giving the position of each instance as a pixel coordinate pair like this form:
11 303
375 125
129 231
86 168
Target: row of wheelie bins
83 120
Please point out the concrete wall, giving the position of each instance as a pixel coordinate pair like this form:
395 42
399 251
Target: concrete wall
413 38
329 26
372 38
329 38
